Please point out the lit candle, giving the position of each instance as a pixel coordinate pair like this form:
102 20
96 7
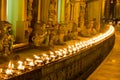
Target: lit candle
52 55
36 57
30 62
38 62
70 49
65 53
1 70
10 70
20 66
59 54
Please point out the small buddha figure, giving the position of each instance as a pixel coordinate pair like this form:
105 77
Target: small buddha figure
61 35
74 31
35 39
56 26
95 25
91 28
39 35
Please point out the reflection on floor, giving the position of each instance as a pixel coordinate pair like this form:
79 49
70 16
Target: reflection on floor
110 67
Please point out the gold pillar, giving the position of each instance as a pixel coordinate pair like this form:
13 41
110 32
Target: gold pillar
3 10
117 9
72 11
103 8
62 10
39 11
44 10
0 10
82 8
67 11
21 23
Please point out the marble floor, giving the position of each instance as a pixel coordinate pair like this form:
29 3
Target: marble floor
109 69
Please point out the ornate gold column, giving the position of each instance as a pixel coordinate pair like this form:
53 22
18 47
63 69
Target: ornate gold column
103 8
3 10
76 11
72 11
107 9
67 11
39 11
52 11
82 13
44 10
117 9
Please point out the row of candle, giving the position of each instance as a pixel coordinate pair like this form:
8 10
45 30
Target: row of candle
55 55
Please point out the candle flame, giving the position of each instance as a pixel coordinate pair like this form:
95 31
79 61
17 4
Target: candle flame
36 57
1 70
10 65
28 59
20 66
9 71
51 53
45 55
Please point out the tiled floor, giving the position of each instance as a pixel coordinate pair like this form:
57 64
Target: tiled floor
110 67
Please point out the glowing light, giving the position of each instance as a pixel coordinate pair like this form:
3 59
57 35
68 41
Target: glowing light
20 66
36 57
10 70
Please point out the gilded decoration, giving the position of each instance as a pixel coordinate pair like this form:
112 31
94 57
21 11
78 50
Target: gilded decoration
53 33
6 38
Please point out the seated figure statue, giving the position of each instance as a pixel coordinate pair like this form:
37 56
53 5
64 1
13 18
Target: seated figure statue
74 31
89 30
61 34
39 35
